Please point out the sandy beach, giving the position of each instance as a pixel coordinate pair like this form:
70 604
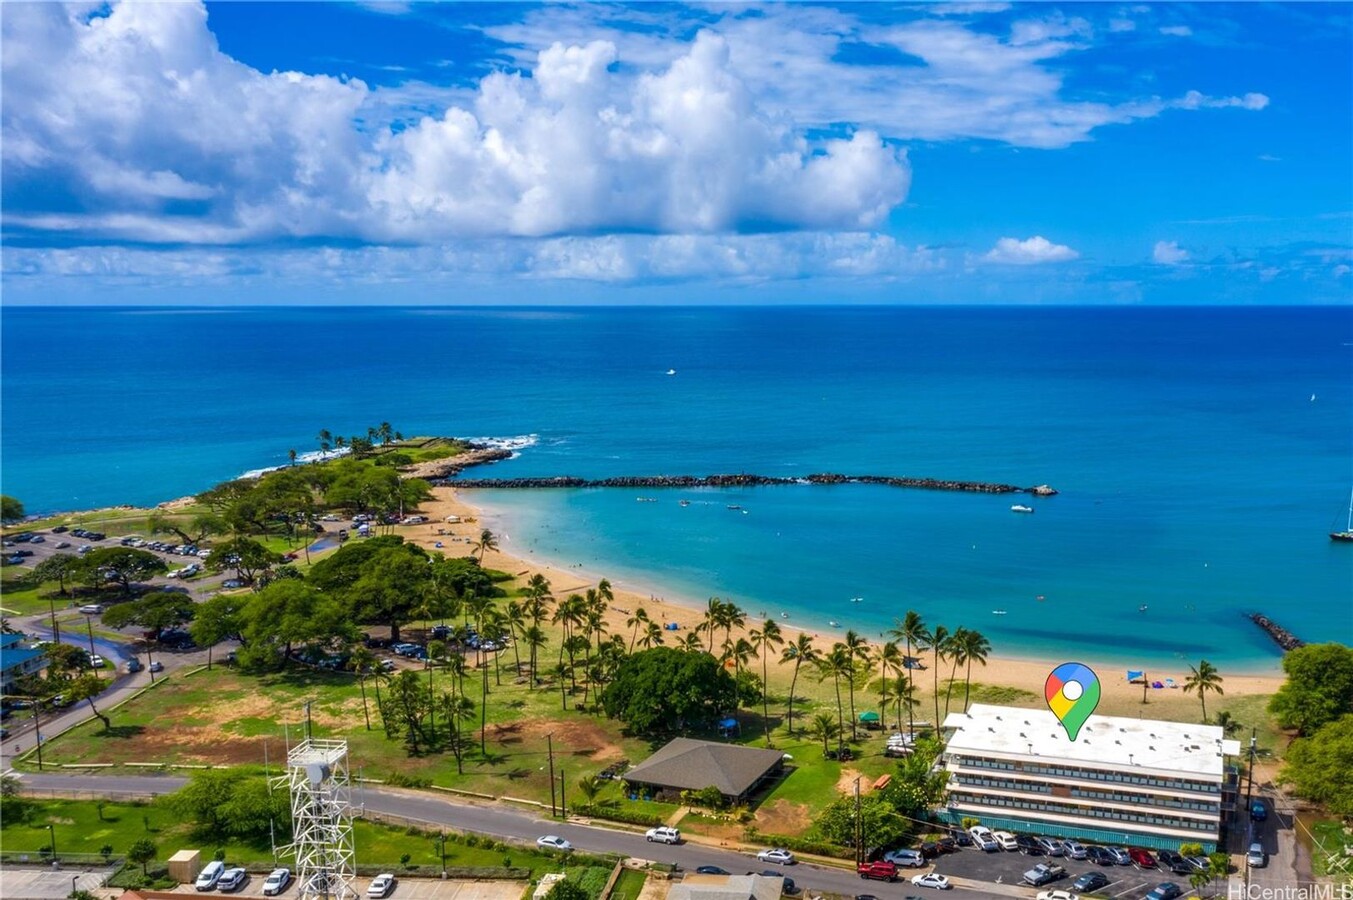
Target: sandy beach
1118 696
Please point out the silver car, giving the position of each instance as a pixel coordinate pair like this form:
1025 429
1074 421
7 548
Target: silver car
277 882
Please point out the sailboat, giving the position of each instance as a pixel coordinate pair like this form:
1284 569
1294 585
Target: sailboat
1347 533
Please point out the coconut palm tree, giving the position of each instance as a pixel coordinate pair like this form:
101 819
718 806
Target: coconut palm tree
957 648
823 727
912 631
713 620
589 786
325 440
800 650
937 642
515 616
733 617
890 659
652 636
362 661
535 639
1202 679
837 664
456 709
904 694
1227 723
858 649
975 649
291 455
640 617
765 639
487 541
691 643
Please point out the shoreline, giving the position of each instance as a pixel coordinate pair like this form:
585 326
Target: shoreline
1025 672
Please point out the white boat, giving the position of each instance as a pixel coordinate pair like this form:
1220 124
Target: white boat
1347 533
998 612
1021 508
671 371
856 599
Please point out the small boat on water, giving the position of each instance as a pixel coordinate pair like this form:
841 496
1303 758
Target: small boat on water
784 615
1347 533
684 502
856 599
1021 508
646 499
998 612
833 623
671 371
734 506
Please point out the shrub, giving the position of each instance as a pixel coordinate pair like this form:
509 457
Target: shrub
968 822
399 779
708 797
800 845
618 814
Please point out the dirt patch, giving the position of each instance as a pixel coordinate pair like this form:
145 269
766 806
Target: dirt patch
196 744
580 737
846 783
783 817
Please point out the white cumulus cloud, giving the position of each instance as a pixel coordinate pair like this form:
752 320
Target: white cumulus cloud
1037 249
1176 30
1169 253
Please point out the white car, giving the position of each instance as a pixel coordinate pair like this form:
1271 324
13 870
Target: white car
982 837
911 859
1006 840
932 880
92 609
553 842
232 880
1074 850
777 855
664 835
381 885
96 661
1057 895
277 882
207 878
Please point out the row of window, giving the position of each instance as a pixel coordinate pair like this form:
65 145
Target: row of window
1093 812
1035 787
1173 784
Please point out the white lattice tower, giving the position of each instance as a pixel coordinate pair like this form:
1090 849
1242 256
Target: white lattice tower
321 820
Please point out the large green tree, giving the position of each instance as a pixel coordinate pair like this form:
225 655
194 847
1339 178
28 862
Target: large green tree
1320 767
229 803
59 567
87 687
218 618
287 613
11 510
125 565
390 588
662 690
878 822
246 556
1319 687
154 612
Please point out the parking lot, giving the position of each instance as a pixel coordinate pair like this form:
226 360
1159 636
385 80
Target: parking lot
1008 868
406 889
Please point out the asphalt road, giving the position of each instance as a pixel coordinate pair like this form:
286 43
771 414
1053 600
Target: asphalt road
525 826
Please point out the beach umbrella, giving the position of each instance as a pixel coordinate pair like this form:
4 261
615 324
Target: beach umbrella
869 717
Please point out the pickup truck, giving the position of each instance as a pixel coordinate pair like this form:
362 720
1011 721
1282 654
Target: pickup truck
880 871
1044 873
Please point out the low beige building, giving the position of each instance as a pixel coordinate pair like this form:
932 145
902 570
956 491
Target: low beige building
728 887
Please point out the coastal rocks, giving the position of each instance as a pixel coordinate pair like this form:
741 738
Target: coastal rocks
454 465
1043 490
1281 636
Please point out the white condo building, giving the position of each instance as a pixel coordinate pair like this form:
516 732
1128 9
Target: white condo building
1140 782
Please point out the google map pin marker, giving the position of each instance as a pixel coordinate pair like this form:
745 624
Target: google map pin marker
1072 692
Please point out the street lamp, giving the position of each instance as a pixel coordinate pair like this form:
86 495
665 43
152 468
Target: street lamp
74 879
51 830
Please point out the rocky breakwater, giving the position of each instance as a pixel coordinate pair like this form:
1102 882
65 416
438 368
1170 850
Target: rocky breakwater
1281 636
477 455
744 480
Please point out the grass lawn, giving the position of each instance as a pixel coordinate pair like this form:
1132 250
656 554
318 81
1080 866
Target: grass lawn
20 599
1331 837
84 826
628 885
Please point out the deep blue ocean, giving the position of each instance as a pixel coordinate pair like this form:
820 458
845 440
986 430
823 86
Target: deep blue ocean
1202 455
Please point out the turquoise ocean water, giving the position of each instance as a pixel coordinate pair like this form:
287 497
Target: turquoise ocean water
1202 454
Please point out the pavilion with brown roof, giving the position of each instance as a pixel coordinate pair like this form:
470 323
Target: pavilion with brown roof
686 764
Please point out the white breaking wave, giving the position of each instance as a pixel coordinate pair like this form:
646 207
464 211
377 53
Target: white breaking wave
312 456
515 444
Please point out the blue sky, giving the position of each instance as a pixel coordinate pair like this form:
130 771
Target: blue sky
662 153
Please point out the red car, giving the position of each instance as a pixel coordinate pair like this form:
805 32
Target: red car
881 870
1142 858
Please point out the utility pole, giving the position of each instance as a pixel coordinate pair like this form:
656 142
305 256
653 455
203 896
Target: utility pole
89 624
307 720
859 825
563 804
37 728
56 629
549 743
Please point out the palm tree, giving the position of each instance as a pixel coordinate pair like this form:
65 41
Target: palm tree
486 542
957 648
733 617
589 786
640 617
291 454
765 639
691 643
515 616
535 639
325 440
823 727
836 664
938 643
858 649
1202 679
385 432
975 649
890 659
713 620
652 635
904 693
1227 723
912 630
800 650
456 710
361 661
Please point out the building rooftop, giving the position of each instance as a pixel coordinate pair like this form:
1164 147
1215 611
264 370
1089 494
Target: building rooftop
691 765
16 656
1109 741
727 887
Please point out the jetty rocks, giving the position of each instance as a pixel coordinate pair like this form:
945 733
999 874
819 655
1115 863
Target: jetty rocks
745 480
477 455
1281 636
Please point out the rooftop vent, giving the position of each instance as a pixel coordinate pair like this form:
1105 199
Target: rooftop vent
1151 748
1023 735
1119 743
992 730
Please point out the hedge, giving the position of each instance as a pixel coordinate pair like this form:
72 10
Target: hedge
802 845
617 814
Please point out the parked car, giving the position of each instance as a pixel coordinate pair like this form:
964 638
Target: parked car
982 837
1006 840
1052 846
1057 895
711 870
381 885
1090 881
911 859
777 855
1073 850
207 878
553 842
1258 811
1255 857
157 666
1199 863
1166 890
96 661
880 870
1168 859
1120 856
1044 873
62 545
1028 845
787 885
1101 856
232 880
931 880
948 845
276 882
1141 858
664 834
60 529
